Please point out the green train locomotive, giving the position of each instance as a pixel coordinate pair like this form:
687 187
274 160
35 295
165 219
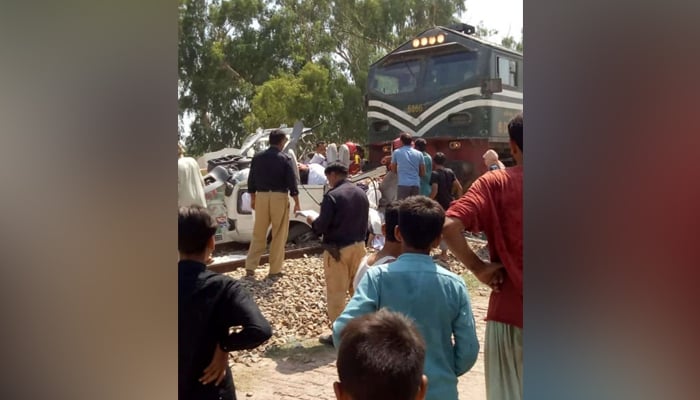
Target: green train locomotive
451 88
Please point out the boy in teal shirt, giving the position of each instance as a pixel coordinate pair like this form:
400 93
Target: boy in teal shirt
435 298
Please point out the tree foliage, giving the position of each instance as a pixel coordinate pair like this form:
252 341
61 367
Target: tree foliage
483 32
366 29
508 41
214 85
283 99
511 43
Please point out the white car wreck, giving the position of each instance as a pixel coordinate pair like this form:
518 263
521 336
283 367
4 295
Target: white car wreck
228 200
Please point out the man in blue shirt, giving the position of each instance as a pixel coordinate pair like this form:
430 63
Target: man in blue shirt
435 298
409 165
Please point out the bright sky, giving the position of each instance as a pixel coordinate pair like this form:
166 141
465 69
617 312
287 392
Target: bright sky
502 15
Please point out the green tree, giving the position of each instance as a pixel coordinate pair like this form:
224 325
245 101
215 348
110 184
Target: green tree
227 48
308 95
211 87
484 32
511 43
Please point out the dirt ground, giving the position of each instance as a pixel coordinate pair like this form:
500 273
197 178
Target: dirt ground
306 370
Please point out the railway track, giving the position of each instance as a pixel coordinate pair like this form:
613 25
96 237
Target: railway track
232 256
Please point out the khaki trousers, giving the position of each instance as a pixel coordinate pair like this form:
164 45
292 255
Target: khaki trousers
271 208
340 275
503 361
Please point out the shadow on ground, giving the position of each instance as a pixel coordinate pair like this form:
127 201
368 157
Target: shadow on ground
300 356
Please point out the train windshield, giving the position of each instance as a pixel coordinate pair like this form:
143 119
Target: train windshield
397 78
427 73
448 71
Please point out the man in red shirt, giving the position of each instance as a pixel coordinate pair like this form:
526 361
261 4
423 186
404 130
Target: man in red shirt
494 205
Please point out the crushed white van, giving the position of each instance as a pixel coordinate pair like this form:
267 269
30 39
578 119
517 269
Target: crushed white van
226 188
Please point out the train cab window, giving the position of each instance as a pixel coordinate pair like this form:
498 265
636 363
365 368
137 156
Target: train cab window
396 78
508 71
451 70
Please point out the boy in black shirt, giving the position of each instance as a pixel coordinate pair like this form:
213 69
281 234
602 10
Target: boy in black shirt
209 305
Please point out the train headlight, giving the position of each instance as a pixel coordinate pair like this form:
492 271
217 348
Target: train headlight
431 40
416 42
455 145
386 149
424 41
440 38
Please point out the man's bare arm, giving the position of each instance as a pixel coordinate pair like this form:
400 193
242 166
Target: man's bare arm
456 188
297 207
453 237
433 190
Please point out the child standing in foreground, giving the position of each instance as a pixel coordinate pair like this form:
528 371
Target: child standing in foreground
436 299
381 357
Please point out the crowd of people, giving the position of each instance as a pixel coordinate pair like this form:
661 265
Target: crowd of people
408 331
